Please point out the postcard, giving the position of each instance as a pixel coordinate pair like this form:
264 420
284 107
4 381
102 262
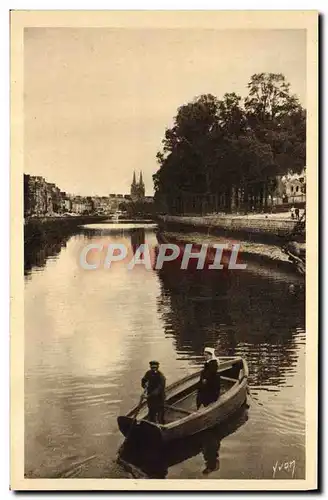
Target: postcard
164 250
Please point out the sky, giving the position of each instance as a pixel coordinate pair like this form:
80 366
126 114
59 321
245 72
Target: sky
97 101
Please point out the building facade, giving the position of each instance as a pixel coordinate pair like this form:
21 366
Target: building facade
42 198
137 191
295 187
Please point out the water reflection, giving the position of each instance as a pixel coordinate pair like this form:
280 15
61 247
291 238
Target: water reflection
238 312
90 334
155 462
36 253
38 250
137 238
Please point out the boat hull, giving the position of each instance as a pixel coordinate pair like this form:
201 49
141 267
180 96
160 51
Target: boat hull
204 420
196 421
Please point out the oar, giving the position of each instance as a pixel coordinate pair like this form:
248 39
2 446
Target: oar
135 414
138 408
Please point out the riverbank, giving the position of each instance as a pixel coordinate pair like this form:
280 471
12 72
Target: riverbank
45 228
261 228
261 252
44 237
62 221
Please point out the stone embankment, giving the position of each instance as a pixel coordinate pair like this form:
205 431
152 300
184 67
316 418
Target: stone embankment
39 228
261 227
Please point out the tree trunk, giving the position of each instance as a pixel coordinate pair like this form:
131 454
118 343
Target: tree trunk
261 196
266 197
228 199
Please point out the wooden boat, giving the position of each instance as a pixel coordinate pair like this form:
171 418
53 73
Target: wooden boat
181 416
154 462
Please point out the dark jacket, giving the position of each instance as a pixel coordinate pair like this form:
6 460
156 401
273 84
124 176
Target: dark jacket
155 382
209 383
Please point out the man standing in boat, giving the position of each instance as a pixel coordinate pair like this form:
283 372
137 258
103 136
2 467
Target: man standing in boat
209 383
154 384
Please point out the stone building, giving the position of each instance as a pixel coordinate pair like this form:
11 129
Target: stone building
290 189
101 204
54 203
42 198
66 203
79 205
36 196
89 205
295 187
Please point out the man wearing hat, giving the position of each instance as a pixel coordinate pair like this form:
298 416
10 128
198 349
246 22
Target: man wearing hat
209 383
154 384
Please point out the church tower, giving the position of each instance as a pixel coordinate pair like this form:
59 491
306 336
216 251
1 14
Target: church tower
141 187
137 189
134 188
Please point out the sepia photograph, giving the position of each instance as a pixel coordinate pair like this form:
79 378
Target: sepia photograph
164 247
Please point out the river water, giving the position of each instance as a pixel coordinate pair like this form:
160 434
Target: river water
89 335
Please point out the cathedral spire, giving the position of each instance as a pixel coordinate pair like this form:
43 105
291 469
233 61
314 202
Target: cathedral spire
141 187
137 189
140 179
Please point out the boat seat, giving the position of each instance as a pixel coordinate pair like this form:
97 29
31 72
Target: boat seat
176 408
229 379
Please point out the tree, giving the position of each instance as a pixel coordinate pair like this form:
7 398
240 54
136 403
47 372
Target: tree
269 98
186 147
277 119
232 148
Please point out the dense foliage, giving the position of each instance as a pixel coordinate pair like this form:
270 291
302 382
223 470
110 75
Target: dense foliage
233 148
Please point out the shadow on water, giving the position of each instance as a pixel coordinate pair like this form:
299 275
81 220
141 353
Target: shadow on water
257 313
137 238
145 460
37 252
39 248
256 316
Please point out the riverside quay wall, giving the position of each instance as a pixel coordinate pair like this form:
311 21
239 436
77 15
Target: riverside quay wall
40 228
249 228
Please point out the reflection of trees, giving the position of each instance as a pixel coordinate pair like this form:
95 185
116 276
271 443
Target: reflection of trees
137 238
239 312
36 252
45 239
40 245
196 305
156 462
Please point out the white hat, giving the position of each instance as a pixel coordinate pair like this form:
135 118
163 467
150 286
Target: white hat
210 350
